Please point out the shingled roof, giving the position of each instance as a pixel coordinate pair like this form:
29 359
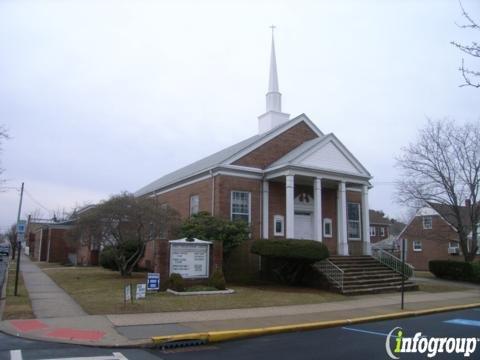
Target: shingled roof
447 213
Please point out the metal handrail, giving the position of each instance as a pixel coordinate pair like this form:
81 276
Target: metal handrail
393 262
331 271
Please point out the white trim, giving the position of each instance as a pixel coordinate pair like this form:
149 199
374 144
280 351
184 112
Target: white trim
290 206
424 217
238 174
415 249
241 168
265 208
354 189
280 218
317 213
156 193
327 221
274 133
249 204
359 221
314 172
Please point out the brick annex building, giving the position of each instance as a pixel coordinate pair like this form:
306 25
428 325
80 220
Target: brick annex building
288 181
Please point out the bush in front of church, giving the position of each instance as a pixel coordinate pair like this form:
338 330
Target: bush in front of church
289 261
176 282
217 280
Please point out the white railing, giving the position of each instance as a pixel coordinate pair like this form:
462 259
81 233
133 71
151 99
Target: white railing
393 262
331 271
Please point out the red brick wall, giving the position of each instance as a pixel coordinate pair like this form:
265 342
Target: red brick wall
241 264
434 242
179 199
378 237
329 210
59 248
274 149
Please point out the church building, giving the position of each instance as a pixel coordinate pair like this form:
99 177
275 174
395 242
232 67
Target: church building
290 180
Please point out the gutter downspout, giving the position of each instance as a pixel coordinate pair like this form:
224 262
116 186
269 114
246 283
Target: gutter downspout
213 193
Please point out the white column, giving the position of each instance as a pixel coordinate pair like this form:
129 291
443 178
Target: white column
317 221
40 246
289 206
365 222
265 222
342 241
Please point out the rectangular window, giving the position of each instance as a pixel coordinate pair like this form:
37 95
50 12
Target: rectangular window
353 215
382 231
372 230
327 228
427 222
240 206
278 225
417 245
194 204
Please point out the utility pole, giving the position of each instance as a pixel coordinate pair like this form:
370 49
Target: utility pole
403 272
19 244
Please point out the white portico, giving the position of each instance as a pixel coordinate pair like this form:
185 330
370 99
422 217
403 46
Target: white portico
326 197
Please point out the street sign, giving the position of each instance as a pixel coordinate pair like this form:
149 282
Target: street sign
153 282
141 291
21 225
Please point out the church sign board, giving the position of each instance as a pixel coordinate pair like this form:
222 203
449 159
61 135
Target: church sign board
190 258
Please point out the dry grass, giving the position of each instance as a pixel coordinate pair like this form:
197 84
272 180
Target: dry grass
424 274
17 307
100 291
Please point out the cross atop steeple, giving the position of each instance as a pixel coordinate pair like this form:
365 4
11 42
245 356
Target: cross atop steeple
273 116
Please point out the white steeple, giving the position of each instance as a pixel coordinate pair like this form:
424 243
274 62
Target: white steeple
273 116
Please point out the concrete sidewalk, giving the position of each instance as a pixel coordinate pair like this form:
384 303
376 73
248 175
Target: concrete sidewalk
48 299
137 329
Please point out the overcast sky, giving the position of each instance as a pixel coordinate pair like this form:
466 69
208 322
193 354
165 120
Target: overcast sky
105 96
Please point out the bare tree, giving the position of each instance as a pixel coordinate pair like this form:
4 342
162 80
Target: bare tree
443 167
123 223
470 77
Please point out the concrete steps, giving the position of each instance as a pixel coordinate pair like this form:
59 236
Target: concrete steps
366 275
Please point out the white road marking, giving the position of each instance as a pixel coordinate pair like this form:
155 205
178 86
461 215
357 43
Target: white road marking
16 355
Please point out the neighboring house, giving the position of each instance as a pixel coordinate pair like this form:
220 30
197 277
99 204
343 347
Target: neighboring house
379 226
431 235
48 241
288 181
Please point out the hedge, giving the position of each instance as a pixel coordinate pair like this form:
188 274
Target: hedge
303 250
455 270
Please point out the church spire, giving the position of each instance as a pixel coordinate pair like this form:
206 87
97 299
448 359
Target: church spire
274 98
273 116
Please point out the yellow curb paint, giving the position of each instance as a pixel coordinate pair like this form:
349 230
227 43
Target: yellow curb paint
219 336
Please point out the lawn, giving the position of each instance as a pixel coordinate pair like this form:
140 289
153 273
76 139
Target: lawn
100 291
17 307
433 287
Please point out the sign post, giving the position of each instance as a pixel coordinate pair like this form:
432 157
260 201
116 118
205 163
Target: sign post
153 282
20 234
403 272
141 291
127 291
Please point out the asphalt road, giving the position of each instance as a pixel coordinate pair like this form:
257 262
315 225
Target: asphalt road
365 341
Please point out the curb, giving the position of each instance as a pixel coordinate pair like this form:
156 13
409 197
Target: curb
219 336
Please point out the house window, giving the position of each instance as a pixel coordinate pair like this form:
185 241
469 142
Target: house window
194 204
372 230
327 228
240 206
353 215
453 248
382 231
417 245
427 222
278 225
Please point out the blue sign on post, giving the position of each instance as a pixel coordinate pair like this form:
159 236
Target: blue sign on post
153 282
21 225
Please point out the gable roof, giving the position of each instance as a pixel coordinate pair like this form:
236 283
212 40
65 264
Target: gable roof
378 218
225 156
309 148
446 212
